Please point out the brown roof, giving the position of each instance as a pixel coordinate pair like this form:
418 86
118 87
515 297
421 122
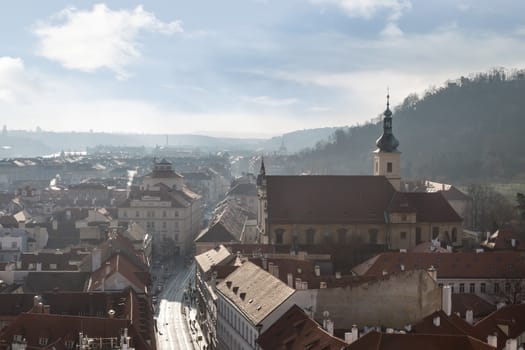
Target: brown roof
429 207
328 199
255 292
226 226
451 325
61 259
381 341
448 265
461 302
118 263
512 316
296 331
213 257
243 189
502 240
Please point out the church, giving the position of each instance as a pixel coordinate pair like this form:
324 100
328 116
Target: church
348 210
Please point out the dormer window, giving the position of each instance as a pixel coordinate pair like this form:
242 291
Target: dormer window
52 266
43 341
31 266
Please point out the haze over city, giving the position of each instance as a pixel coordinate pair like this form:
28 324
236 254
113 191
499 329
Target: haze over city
238 68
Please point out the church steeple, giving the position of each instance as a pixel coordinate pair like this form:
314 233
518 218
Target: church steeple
387 142
261 178
386 156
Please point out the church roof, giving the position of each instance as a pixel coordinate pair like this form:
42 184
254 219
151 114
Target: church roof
328 199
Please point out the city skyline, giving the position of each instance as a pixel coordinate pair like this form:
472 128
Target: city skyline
240 68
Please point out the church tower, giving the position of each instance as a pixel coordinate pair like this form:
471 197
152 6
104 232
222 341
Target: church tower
262 210
386 156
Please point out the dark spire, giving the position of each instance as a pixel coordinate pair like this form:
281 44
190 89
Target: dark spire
387 142
261 178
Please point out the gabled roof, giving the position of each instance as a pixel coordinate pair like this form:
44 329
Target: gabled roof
296 331
255 292
328 199
451 325
448 265
243 189
226 226
512 316
461 302
381 341
213 257
118 263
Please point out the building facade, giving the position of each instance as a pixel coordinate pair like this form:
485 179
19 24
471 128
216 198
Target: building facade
166 208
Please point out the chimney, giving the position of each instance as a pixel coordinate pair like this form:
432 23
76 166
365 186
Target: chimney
390 331
47 309
436 321
330 327
513 242
433 272
385 272
38 266
446 302
290 279
317 270
108 268
492 340
111 313
338 275
348 337
402 267
36 300
322 285
469 317
355 333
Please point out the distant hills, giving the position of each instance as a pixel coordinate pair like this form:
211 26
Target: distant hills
471 130
19 143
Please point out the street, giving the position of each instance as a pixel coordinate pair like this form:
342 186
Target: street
174 333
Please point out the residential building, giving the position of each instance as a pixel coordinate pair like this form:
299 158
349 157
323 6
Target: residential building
13 241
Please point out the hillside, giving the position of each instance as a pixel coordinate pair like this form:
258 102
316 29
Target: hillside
470 130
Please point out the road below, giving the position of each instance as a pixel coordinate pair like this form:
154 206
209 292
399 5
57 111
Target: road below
171 322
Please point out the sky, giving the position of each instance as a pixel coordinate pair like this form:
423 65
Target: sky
240 68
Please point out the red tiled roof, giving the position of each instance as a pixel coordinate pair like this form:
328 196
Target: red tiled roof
328 199
512 316
448 265
119 263
296 331
451 325
429 207
381 341
461 302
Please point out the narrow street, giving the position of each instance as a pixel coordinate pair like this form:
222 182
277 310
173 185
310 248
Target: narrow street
174 332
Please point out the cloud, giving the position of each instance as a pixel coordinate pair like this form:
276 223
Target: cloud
368 8
98 38
270 101
15 84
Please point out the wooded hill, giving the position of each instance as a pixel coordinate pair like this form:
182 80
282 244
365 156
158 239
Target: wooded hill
471 130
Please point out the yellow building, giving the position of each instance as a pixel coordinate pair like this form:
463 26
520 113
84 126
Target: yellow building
344 210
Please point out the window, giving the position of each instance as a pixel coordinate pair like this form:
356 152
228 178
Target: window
389 167
462 287
472 288
403 217
372 236
176 213
176 237
403 235
176 223
435 232
164 225
279 236
454 234
341 236
483 287
13 245
496 287
310 236
137 214
125 213
451 287
507 287
42 341
164 213
52 266
69 344
418 235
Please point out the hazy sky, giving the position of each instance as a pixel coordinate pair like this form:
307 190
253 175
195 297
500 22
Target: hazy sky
246 67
